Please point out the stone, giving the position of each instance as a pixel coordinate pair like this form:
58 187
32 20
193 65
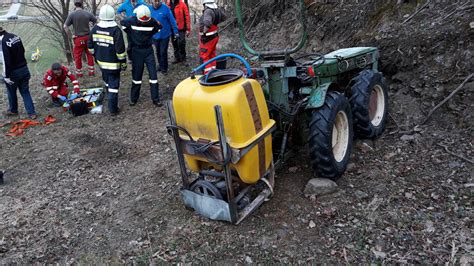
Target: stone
248 260
361 194
312 224
293 169
320 186
471 25
408 137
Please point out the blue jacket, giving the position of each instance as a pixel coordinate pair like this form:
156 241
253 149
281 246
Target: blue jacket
128 8
165 17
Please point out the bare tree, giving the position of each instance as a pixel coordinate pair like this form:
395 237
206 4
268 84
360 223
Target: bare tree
53 14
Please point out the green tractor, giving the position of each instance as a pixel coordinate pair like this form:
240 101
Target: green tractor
232 132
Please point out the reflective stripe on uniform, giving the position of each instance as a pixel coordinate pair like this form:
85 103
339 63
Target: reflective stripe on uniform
142 28
75 82
103 38
209 33
76 86
122 56
113 90
153 81
110 66
210 68
136 82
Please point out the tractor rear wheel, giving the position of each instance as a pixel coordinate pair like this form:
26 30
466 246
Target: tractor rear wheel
331 134
369 104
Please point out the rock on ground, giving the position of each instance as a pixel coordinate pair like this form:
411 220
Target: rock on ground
320 186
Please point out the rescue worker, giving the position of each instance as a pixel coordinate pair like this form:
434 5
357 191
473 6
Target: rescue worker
141 29
181 14
80 21
108 47
208 31
54 82
126 11
15 73
162 13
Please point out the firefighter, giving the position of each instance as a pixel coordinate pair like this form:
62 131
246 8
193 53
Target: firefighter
208 31
126 10
181 14
107 44
162 13
80 21
15 72
54 82
141 29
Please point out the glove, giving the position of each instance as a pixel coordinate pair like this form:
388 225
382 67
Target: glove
73 96
123 66
62 98
175 37
8 81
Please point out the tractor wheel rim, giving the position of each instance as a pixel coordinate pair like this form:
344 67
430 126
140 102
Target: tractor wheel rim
340 136
376 105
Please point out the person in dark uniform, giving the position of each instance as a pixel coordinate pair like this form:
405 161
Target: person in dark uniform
108 47
141 29
15 73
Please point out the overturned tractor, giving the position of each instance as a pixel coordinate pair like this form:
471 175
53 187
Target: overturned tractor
233 128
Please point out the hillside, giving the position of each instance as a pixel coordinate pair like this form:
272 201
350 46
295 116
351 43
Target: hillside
105 190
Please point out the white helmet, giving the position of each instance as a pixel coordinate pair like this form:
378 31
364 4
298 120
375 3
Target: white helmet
143 13
210 3
107 13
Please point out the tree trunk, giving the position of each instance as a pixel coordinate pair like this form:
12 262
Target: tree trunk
67 48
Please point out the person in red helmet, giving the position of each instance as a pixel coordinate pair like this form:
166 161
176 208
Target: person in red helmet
208 30
54 82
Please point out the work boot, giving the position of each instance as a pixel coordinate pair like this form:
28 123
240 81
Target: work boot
164 72
33 116
9 113
115 113
157 103
132 103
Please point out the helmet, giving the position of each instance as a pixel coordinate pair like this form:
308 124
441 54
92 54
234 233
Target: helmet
210 3
143 13
107 13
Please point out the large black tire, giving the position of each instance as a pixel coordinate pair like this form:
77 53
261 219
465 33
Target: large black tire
369 104
330 148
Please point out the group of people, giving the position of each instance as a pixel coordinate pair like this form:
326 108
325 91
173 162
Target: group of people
145 25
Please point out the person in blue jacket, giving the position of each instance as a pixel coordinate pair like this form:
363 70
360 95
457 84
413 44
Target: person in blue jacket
128 6
162 13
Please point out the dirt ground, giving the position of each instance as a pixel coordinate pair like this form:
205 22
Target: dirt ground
98 189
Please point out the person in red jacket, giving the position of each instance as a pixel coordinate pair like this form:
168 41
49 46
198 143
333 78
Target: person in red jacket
55 83
209 32
181 14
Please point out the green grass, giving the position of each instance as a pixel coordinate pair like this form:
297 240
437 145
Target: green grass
33 36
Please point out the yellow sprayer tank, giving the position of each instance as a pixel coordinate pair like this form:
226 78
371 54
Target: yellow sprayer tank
245 115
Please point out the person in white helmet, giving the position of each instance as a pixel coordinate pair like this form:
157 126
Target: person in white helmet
108 47
141 29
208 30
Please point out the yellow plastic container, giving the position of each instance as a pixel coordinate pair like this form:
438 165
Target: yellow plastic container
245 115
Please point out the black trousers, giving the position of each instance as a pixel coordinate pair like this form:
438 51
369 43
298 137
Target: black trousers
140 58
112 81
179 46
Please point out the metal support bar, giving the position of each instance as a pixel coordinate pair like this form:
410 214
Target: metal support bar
177 142
227 171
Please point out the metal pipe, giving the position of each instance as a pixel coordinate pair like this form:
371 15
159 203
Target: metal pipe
179 150
245 43
227 171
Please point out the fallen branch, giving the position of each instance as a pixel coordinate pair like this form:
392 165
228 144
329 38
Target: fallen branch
454 154
447 98
418 11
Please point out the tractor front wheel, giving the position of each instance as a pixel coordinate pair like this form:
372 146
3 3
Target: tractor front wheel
369 104
331 136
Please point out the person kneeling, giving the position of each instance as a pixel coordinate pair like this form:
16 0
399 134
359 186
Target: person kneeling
55 83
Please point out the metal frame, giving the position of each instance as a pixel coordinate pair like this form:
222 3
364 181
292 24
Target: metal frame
234 215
